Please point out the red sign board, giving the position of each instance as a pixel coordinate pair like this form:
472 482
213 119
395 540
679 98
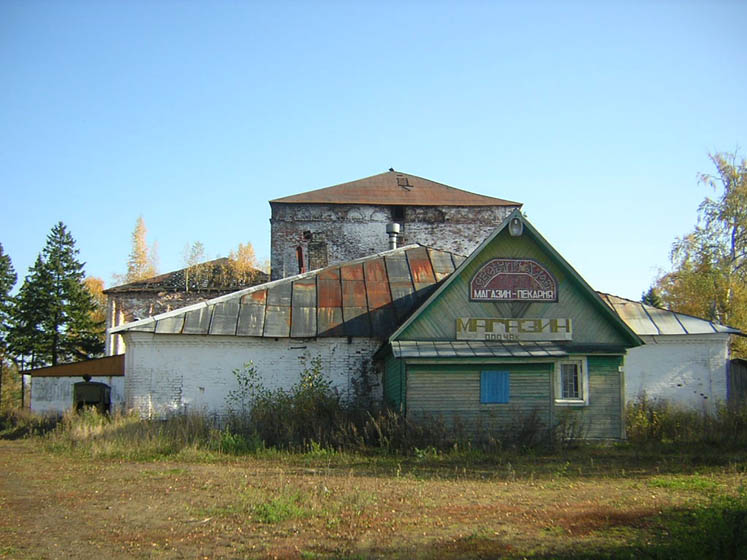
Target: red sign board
513 280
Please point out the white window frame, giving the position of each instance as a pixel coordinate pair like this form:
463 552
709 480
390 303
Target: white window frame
583 379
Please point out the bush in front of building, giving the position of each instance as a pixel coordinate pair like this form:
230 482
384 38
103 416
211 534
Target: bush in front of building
652 421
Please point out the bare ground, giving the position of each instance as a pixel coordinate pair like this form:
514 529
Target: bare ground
59 506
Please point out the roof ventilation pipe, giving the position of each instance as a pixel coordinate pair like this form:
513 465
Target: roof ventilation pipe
392 231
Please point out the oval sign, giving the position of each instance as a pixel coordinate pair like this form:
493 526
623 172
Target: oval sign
513 280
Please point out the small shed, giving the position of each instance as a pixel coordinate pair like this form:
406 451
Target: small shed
52 387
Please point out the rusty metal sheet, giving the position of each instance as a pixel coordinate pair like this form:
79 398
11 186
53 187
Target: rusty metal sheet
225 317
260 296
277 321
332 273
356 321
280 294
329 293
442 263
420 267
352 272
375 271
403 297
170 325
329 321
304 293
251 320
353 293
197 321
303 322
397 269
378 294
384 321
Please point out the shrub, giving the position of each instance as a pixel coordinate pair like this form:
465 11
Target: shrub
659 421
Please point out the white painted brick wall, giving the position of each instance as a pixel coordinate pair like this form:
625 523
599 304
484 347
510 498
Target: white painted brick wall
54 395
177 373
688 369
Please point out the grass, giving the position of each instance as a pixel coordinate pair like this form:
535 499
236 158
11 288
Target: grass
185 487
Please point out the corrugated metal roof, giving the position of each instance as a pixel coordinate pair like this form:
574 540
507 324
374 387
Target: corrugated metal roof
365 297
476 349
396 189
646 320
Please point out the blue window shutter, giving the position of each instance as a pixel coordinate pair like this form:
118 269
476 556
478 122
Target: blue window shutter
494 387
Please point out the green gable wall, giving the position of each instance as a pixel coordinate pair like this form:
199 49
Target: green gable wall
591 324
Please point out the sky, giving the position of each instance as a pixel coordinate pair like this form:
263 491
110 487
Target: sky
193 114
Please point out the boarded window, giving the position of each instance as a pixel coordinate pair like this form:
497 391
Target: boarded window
494 387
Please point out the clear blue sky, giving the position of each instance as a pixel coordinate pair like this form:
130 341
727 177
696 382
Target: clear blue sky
596 115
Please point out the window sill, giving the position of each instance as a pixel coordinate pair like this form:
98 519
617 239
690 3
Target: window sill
559 402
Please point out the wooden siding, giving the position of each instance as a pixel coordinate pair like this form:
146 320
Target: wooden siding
602 417
453 393
393 373
590 324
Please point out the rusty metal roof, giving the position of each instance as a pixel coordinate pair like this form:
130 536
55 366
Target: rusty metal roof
394 188
367 297
646 320
109 366
210 276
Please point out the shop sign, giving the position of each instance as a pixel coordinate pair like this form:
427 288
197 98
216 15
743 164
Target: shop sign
513 280
472 328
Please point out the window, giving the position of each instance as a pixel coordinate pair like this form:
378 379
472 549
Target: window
571 382
494 387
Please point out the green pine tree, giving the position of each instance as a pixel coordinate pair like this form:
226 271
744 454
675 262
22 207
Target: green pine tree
26 337
53 321
8 279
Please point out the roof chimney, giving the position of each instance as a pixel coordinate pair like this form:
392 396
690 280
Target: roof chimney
393 231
